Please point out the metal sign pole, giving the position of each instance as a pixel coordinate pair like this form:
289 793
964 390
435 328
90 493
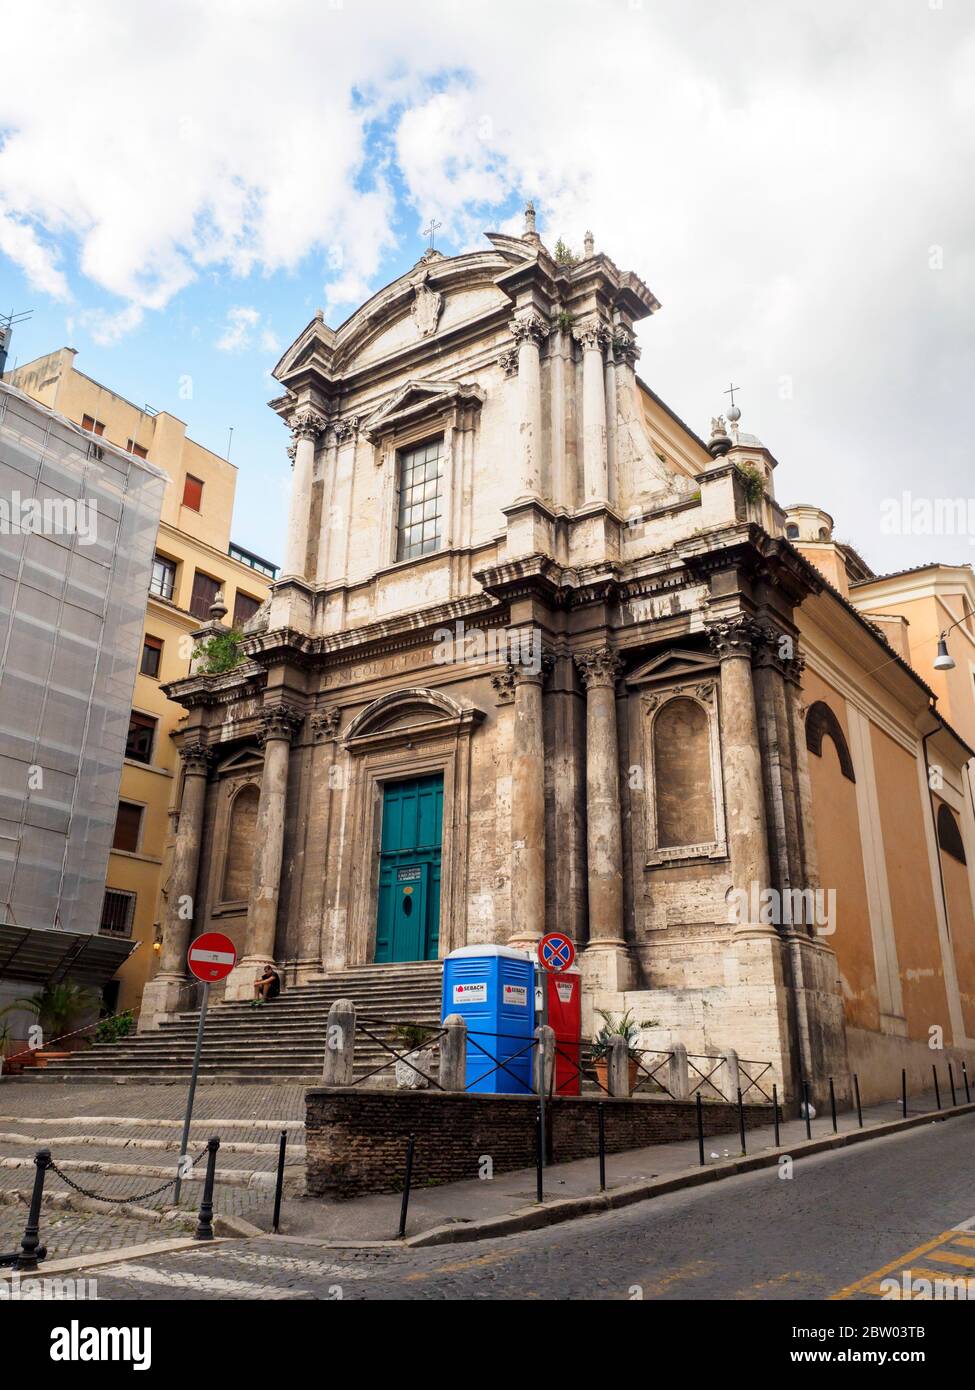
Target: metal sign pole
189 1099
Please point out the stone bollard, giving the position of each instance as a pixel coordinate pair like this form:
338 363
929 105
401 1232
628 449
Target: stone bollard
731 1080
453 1054
339 1044
677 1079
543 1060
618 1075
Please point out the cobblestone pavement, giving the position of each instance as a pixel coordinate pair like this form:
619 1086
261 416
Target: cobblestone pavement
98 1130
82 1233
751 1237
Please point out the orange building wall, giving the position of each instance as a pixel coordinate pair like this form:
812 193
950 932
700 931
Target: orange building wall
902 812
962 932
840 860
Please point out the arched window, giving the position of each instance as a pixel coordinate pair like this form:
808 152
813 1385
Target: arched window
682 775
822 721
792 531
241 839
949 835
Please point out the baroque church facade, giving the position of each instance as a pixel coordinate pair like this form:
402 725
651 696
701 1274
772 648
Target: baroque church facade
535 661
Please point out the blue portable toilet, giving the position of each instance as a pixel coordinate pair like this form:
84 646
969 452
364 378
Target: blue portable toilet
493 990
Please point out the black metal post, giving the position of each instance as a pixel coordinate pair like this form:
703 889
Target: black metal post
700 1128
856 1092
904 1093
951 1083
775 1113
741 1121
832 1102
279 1183
601 1111
539 1159
204 1224
31 1250
805 1102
968 1094
937 1088
407 1182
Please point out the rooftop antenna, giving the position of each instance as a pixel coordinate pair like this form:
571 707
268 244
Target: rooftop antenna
7 322
230 440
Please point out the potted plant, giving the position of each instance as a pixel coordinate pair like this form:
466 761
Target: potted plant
413 1074
622 1026
58 1009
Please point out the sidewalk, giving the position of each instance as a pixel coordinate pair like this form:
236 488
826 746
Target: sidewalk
512 1195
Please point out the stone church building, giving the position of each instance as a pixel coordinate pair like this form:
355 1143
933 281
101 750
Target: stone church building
540 657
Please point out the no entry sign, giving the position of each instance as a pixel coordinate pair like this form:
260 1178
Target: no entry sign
555 951
212 956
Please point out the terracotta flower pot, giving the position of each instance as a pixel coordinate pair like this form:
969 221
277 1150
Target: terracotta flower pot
601 1066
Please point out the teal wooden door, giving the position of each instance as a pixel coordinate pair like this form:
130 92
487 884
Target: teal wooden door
408 925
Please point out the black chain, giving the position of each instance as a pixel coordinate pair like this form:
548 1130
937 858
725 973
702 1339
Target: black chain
118 1201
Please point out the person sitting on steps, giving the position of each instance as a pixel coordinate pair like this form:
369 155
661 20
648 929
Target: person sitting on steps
267 987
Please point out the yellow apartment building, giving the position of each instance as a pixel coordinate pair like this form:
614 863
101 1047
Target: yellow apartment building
195 561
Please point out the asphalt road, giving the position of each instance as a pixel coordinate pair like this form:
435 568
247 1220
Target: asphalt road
839 1219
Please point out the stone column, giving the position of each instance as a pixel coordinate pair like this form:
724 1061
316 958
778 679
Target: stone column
164 992
593 335
529 329
797 720
306 425
528 807
741 759
599 669
279 726
317 816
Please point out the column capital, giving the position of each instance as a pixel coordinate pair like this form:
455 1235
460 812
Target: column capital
624 346
592 333
779 650
279 721
737 635
196 758
325 724
306 424
528 327
599 668
530 672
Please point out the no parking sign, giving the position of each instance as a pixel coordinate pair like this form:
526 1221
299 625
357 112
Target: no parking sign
556 951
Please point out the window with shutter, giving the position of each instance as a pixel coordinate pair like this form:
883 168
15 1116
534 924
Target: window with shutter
205 590
193 492
128 823
142 730
151 656
244 608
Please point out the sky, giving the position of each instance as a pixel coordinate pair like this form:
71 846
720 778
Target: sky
183 184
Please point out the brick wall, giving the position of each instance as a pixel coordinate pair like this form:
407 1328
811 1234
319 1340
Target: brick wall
356 1139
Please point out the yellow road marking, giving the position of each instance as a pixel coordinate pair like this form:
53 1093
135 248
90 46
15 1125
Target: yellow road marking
860 1286
953 1258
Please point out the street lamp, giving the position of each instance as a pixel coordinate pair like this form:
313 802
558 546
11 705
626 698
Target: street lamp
944 660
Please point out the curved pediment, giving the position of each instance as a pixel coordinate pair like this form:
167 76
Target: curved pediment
436 296
415 711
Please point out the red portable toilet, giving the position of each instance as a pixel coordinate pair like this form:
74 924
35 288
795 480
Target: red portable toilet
563 1013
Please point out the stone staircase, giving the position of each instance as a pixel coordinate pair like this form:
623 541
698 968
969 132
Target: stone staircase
281 1041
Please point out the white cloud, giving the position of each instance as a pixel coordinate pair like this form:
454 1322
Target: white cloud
20 242
243 329
777 173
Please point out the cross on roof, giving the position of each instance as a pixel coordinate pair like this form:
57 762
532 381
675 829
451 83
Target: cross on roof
732 388
431 231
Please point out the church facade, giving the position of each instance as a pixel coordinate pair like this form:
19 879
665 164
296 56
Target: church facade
536 660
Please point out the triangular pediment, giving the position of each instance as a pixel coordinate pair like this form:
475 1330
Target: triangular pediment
675 664
417 399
